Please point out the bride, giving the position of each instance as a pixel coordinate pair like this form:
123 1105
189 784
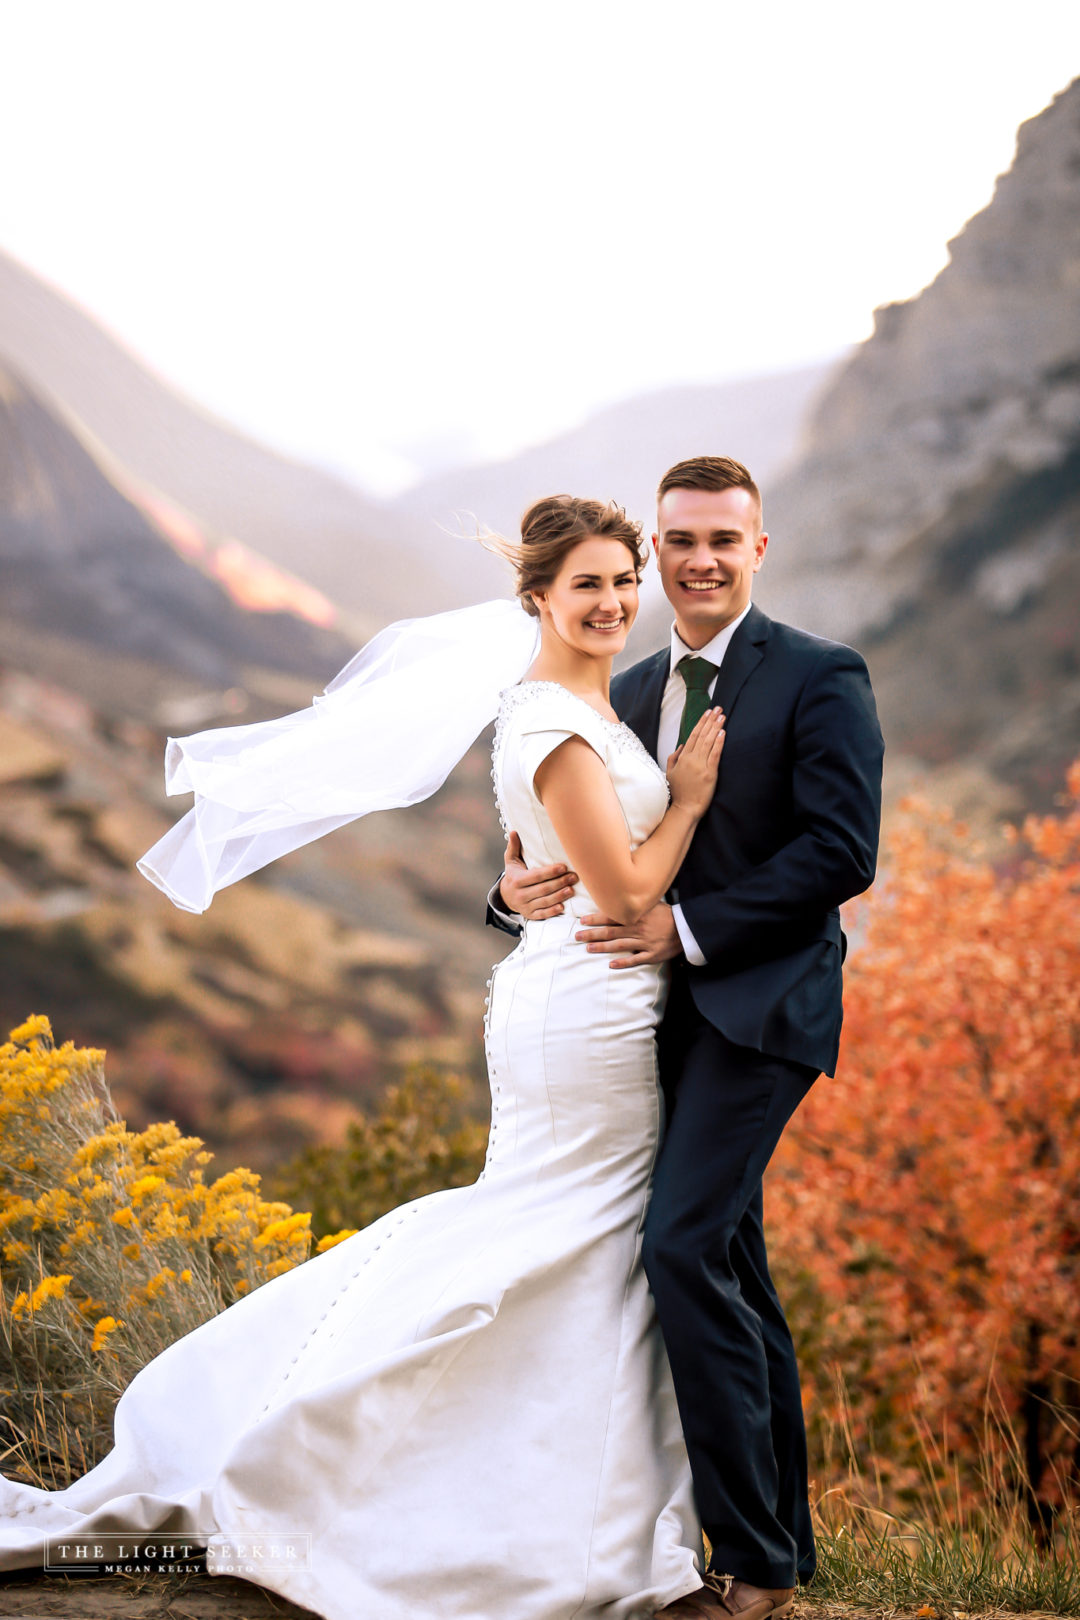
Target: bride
464 1410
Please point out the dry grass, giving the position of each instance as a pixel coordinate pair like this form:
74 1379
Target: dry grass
956 1552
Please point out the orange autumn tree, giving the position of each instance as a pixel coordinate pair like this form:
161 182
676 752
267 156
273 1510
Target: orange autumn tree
928 1197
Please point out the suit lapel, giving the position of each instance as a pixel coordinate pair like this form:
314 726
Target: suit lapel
642 710
745 652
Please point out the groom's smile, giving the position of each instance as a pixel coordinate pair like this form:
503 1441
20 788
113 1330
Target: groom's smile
709 546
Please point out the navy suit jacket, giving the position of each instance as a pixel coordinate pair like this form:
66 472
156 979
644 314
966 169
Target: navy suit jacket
792 832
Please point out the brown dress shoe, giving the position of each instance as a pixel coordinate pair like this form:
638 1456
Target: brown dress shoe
704 1604
758 1602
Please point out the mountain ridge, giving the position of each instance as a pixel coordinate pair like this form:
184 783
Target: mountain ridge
232 485
78 558
933 518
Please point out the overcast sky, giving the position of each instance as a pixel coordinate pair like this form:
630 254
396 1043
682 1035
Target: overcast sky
379 231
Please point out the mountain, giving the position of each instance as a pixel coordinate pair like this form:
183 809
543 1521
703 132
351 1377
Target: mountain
149 435
375 561
81 561
619 453
933 516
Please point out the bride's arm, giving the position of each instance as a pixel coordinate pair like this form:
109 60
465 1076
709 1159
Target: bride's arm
578 794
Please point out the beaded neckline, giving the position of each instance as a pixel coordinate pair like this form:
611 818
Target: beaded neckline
511 697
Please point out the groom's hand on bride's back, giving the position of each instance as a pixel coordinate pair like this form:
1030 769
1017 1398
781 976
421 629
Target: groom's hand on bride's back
654 939
534 892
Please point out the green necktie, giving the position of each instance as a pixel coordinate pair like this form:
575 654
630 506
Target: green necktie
698 675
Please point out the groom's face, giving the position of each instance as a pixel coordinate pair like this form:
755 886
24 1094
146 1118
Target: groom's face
709 545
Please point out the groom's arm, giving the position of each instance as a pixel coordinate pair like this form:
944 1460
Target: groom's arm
836 800
530 892
496 916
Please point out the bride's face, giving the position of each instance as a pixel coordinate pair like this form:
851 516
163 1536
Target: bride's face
593 600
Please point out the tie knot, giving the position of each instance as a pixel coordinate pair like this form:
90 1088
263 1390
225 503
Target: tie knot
697 673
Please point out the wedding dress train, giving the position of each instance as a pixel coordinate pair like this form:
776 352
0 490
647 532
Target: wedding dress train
465 1410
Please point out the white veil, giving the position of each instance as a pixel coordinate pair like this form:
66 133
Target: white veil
387 732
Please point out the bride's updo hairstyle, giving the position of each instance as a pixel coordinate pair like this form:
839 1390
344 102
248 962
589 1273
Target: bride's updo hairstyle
550 530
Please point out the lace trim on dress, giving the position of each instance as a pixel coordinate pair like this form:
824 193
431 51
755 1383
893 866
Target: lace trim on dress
512 697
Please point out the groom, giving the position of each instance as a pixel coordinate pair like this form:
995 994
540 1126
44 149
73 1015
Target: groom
753 1016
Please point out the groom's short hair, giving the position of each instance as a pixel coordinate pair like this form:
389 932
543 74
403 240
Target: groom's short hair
708 472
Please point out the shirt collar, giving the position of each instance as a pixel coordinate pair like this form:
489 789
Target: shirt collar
713 650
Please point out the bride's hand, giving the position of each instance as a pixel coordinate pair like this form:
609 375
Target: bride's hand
692 768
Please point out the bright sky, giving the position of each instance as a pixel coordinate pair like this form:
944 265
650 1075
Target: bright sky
379 231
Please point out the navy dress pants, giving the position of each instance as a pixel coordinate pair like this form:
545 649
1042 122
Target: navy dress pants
732 1359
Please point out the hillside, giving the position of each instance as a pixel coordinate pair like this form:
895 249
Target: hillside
268 1022
934 515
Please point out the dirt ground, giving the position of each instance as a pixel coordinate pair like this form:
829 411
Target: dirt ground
221 1597
141 1597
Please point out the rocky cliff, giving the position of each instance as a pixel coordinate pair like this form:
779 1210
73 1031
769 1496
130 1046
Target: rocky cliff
933 516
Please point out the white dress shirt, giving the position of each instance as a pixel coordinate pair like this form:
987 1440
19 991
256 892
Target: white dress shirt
671 708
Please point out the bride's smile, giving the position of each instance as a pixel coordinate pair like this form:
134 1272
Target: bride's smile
592 601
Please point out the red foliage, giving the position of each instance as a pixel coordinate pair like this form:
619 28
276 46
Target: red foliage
929 1195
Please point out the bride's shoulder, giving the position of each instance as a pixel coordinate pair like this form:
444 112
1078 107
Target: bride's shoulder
547 706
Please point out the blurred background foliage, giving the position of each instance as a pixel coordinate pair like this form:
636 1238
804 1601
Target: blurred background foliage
423 1139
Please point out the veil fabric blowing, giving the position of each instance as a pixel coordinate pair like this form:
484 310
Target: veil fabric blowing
387 731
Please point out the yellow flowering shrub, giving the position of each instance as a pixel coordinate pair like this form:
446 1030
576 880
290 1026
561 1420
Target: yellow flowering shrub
113 1244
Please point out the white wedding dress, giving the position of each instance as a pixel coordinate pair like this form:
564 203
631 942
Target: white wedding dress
466 1407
